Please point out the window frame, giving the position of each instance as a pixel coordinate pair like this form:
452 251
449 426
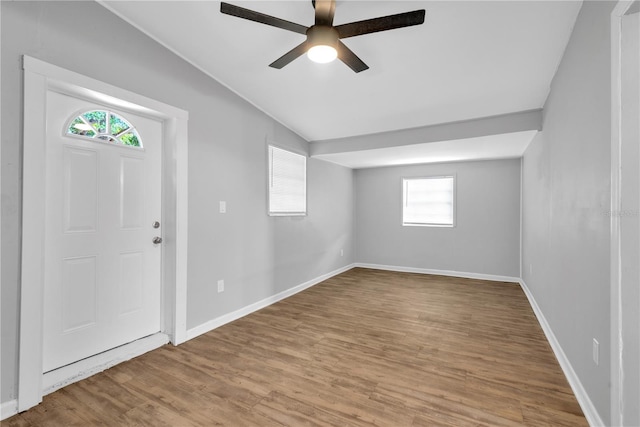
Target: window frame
454 202
271 213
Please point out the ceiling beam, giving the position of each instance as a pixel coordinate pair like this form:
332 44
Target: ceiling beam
486 126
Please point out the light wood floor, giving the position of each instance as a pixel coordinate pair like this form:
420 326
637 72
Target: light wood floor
363 348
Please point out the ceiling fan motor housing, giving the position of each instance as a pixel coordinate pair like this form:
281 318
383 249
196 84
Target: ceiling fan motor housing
322 35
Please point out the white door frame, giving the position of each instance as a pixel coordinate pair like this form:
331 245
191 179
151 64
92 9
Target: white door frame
39 78
617 371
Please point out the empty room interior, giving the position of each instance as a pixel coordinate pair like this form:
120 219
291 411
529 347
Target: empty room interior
340 213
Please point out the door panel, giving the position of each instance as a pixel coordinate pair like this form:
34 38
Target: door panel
132 192
131 282
79 291
102 271
81 189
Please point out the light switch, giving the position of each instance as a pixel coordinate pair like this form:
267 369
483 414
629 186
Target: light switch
223 207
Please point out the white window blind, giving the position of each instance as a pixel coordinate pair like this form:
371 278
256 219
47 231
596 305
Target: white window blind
287 182
428 201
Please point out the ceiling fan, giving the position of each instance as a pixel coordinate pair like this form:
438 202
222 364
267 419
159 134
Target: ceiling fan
323 39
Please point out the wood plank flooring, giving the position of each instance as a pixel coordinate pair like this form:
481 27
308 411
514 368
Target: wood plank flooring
364 348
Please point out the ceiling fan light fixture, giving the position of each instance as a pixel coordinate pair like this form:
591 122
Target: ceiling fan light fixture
323 41
322 54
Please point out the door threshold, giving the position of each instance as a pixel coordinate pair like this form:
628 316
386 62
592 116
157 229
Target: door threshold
69 374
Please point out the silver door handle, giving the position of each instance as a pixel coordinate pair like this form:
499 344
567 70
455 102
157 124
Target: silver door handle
157 240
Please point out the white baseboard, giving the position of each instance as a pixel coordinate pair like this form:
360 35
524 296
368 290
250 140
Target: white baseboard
590 411
463 274
8 409
234 315
54 380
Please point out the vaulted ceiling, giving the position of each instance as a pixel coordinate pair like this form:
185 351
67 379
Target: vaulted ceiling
469 60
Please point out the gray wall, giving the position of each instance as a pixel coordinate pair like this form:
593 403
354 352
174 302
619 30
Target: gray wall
257 255
566 195
486 238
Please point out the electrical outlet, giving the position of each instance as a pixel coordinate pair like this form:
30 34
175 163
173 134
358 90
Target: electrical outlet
220 286
596 352
223 206
341 252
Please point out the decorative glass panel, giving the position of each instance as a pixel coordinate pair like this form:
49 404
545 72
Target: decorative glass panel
79 127
97 119
107 138
104 126
118 125
130 138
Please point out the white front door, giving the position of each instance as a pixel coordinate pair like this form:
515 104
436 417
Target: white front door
102 281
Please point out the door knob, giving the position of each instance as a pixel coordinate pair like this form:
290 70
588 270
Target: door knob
157 240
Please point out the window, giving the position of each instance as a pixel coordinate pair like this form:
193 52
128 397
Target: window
104 126
428 201
287 183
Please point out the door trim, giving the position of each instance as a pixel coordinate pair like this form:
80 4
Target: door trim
617 362
39 78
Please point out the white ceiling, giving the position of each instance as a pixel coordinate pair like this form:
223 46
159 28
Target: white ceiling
470 59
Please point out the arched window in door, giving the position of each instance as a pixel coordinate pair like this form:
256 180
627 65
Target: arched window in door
104 126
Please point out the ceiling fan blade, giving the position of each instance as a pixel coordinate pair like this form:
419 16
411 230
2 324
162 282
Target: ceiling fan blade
251 15
384 23
285 59
348 57
325 10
